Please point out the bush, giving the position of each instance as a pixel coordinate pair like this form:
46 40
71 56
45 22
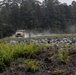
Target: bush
32 65
63 56
7 60
10 52
2 66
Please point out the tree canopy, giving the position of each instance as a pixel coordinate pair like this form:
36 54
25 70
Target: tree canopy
31 14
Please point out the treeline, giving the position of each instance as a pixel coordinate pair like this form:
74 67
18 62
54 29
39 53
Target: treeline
33 15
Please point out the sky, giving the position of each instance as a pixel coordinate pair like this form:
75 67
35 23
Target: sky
62 1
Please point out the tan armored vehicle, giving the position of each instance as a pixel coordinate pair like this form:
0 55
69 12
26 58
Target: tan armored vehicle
20 33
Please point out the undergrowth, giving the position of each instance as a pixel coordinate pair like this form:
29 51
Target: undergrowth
63 56
10 52
32 65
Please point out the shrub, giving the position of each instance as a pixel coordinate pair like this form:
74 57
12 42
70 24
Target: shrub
32 65
51 53
63 56
20 60
64 44
39 48
10 52
29 50
2 66
7 60
5 54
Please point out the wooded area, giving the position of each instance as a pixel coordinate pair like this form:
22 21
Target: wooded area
33 15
